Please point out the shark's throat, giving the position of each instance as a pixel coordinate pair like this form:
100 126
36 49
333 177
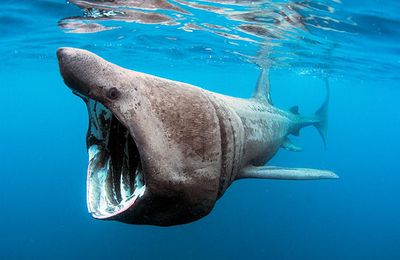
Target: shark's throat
115 177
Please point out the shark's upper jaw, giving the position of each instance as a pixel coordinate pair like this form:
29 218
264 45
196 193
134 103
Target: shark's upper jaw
115 179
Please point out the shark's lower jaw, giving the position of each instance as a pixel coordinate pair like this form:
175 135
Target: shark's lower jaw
115 177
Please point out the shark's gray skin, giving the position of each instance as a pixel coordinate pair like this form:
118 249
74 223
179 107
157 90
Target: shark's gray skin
162 152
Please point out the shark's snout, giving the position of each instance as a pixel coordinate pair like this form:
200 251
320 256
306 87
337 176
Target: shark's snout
72 67
64 52
88 75
68 58
80 70
61 52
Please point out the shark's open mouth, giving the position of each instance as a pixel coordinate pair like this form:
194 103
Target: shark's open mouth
115 177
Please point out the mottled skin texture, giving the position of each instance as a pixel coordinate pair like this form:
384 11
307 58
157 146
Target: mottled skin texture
192 143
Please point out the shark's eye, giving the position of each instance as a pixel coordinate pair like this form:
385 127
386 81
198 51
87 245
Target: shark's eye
113 93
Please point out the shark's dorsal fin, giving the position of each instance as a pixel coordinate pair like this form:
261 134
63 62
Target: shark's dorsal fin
262 91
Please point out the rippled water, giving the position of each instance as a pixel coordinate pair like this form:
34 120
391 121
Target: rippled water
343 38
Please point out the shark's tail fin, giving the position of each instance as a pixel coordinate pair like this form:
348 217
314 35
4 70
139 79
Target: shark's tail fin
321 123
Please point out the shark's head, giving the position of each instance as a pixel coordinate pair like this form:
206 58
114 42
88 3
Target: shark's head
148 162
80 70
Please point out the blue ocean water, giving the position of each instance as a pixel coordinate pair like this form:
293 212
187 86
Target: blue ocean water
42 131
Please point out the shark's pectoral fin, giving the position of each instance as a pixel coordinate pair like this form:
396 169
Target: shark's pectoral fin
288 145
282 173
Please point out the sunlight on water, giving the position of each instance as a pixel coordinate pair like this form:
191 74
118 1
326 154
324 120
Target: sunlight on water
328 36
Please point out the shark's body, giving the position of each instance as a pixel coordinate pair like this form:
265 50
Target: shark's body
162 152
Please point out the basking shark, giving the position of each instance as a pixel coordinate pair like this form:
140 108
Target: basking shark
162 152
